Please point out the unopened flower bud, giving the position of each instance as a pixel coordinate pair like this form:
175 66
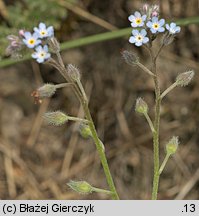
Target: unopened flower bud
145 8
167 39
141 106
54 44
185 78
81 187
172 145
85 131
152 11
155 10
73 72
21 32
46 90
56 118
14 47
130 58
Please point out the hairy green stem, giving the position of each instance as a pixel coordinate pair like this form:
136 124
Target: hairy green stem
164 163
99 190
101 153
81 95
149 122
168 90
145 69
71 118
98 144
62 85
156 175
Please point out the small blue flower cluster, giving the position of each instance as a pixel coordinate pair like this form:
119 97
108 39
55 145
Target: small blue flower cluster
150 21
36 40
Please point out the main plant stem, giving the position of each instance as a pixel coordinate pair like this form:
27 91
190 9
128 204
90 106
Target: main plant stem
156 175
80 93
97 142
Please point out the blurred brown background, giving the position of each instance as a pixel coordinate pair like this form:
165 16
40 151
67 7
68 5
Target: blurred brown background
38 160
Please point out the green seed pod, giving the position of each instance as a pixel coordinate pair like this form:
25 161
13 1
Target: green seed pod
54 45
167 39
172 145
85 131
141 106
56 118
130 58
46 90
73 72
185 78
81 187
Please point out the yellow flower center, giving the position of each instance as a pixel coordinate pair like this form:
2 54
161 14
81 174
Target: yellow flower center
155 25
139 38
31 41
138 20
42 54
43 33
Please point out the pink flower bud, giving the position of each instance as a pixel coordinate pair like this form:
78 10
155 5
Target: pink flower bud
145 8
154 13
155 10
156 7
21 32
14 44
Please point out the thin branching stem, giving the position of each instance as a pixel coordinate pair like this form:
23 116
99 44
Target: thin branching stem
71 118
168 90
149 122
80 93
158 53
99 190
164 163
156 127
62 85
145 69
101 154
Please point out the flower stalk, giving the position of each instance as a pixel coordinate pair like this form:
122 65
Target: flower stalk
156 162
164 163
168 90
80 93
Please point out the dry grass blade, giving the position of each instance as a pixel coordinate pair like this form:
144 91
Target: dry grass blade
74 139
3 10
37 123
86 15
188 186
29 175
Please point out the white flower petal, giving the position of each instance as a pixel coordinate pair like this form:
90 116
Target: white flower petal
42 25
143 32
138 44
162 22
145 40
137 14
133 24
132 39
131 18
173 25
27 35
135 32
178 29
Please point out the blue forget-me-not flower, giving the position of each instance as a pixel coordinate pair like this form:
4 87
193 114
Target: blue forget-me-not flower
43 31
31 40
173 28
41 54
137 20
156 25
139 37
